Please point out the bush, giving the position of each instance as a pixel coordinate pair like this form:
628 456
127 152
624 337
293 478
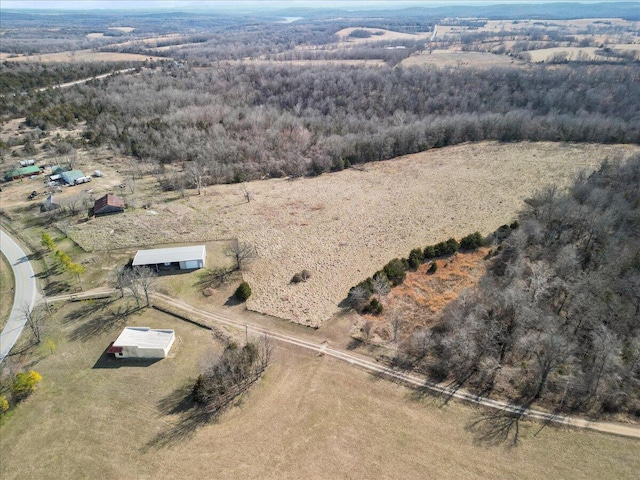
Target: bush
415 258
394 270
4 404
429 252
243 292
374 307
303 276
24 384
471 241
433 268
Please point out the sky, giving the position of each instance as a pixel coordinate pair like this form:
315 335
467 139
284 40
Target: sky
176 4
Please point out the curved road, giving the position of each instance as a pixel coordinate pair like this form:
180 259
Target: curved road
26 292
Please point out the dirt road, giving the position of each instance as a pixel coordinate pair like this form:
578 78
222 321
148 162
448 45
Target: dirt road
414 380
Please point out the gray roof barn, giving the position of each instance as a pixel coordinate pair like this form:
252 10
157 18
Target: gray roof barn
182 258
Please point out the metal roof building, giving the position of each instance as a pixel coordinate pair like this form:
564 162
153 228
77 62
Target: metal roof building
71 176
176 258
143 342
22 172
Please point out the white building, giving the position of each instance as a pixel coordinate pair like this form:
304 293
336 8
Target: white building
142 342
177 258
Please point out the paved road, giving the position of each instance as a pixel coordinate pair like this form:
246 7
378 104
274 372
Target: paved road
26 292
415 380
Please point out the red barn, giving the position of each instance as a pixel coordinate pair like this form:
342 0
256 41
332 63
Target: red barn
108 204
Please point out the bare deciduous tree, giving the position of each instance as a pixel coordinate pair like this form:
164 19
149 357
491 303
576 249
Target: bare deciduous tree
242 253
34 318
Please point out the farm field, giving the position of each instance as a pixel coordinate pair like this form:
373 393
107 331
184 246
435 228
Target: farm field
450 58
376 37
80 56
87 420
575 53
344 226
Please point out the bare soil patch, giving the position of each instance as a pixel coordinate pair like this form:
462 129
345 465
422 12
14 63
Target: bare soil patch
343 227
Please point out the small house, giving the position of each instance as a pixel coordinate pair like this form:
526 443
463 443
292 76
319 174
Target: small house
108 204
142 342
22 172
71 176
176 258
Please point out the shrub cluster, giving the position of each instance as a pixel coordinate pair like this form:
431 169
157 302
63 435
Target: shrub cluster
359 297
303 276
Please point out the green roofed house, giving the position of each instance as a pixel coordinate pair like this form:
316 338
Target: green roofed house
71 176
22 172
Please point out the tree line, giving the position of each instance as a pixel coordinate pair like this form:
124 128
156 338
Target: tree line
241 122
556 319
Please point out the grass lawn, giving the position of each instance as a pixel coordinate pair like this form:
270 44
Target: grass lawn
309 417
6 290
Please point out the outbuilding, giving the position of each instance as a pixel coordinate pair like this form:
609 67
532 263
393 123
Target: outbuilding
71 176
143 342
108 204
176 258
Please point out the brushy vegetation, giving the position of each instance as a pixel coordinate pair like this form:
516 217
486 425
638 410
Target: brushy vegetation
555 319
243 292
395 272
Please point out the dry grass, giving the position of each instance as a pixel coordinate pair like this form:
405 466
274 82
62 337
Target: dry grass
6 290
310 417
81 56
122 29
422 296
574 53
342 227
448 58
386 35
360 63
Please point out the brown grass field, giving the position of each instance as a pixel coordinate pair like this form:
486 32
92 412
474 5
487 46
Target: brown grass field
87 55
6 290
386 35
449 58
309 417
343 227
546 54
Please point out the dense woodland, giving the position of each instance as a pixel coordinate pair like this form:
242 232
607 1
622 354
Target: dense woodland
557 317
241 121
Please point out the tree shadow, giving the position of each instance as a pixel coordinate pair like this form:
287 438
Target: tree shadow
232 301
192 417
497 427
354 344
57 287
97 324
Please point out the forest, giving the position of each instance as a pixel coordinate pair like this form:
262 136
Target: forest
242 121
556 319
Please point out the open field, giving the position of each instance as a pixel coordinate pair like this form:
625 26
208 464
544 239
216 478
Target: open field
6 290
576 53
342 227
88 422
450 58
122 29
386 35
81 56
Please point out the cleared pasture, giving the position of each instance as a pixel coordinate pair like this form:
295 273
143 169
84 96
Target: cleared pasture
375 37
344 226
309 417
86 55
449 58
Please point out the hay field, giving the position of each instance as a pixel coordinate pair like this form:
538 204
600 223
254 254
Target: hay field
574 53
309 417
386 35
342 227
449 58
87 55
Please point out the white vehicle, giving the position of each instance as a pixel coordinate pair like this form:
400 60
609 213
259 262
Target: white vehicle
80 180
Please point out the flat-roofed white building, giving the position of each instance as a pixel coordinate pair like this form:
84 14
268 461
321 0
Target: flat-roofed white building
143 342
175 258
